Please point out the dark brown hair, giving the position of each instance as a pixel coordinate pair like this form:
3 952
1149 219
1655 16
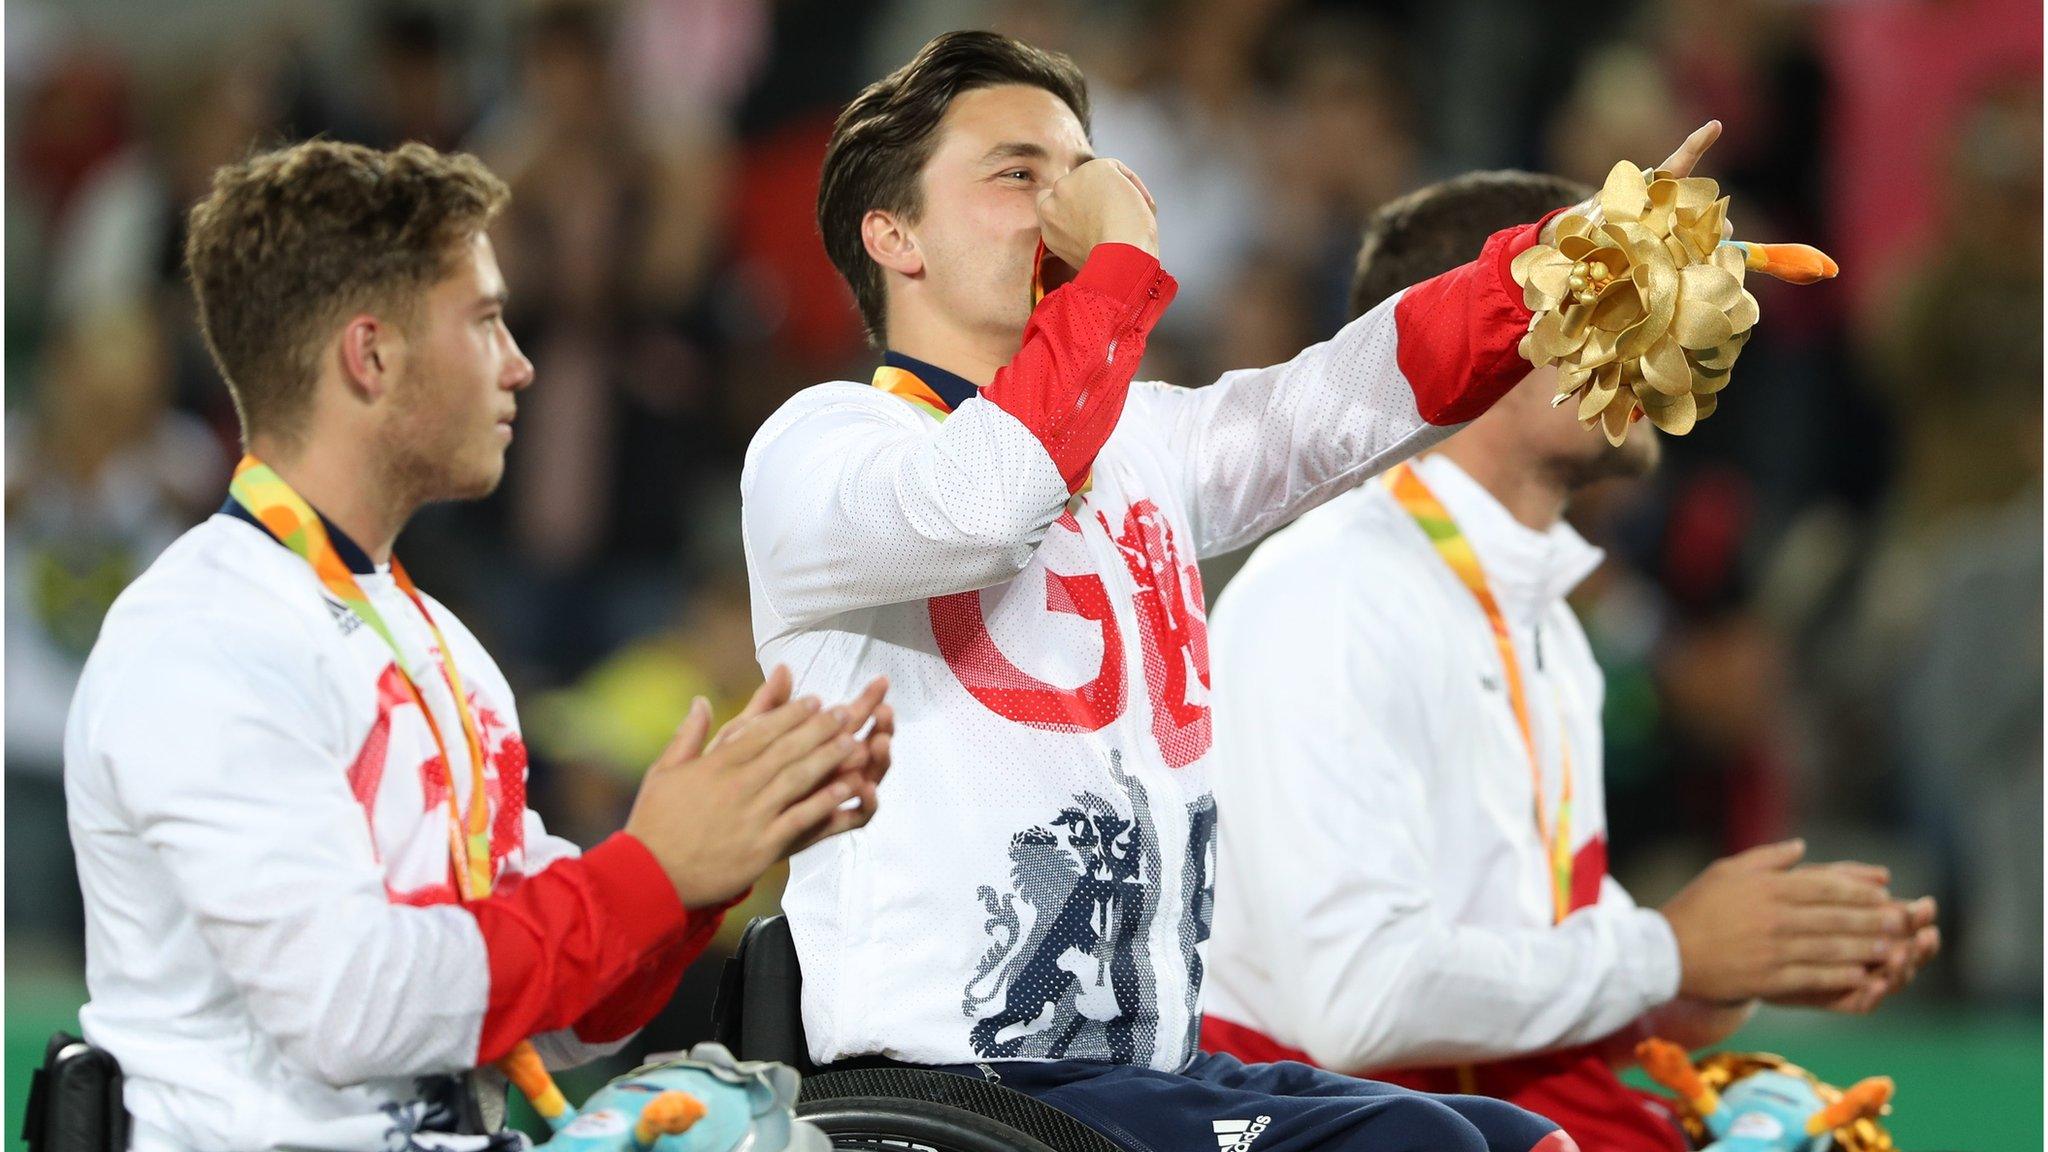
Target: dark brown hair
1433 230
290 242
883 139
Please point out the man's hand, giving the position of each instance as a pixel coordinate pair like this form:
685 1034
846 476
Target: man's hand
1753 926
1907 957
1679 164
772 783
1100 202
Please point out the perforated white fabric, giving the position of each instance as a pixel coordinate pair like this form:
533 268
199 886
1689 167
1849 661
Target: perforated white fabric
1037 881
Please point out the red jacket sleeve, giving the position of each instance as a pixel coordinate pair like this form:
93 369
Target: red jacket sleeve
1068 382
652 985
563 943
1459 331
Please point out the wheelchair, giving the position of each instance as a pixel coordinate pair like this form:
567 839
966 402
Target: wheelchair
871 1103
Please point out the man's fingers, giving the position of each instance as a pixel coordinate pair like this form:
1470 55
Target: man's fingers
1769 857
749 740
803 769
1133 178
1926 946
688 743
1825 886
1876 874
1921 913
863 707
1839 949
1805 979
1834 919
879 756
1682 161
773 693
807 821
820 734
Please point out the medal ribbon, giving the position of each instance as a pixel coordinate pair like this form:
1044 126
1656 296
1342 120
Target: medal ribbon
285 515
1419 502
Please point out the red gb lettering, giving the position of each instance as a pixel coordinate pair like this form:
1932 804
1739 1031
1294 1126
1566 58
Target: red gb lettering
1016 695
1172 630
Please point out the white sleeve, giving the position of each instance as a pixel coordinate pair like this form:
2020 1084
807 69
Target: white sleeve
1374 974
1262 446
847 504
225 759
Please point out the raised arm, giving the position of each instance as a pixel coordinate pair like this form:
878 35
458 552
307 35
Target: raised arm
852 498
1261 446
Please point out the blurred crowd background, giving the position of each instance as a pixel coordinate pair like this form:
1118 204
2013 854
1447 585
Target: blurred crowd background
1823 617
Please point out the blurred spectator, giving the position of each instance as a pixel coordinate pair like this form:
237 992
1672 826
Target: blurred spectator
608 241
100 479
1954 597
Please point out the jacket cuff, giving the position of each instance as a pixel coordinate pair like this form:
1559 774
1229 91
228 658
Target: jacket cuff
1123 272
627 878
1649 955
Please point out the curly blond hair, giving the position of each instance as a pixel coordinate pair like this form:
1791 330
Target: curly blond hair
291 242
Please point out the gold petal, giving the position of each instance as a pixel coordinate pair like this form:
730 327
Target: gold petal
1639 242
1716 359
1548 341
1665 369
1696 192
1519 267
1699 325
1614 418
1620 306
1573 224
1577 318
1659 286
1708 285
1744 314
1663 193
1732 260
1624 196
1704 405
1673 414
1601 392
1576 247
1598 349
1551 277
1704 231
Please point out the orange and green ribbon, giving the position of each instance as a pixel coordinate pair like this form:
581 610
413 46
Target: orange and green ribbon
287 516
1429 513
905 385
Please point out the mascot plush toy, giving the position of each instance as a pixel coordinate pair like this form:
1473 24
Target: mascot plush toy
703 1102
1753 1102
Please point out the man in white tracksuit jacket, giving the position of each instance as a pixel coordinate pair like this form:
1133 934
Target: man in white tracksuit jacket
1007 528
1415 926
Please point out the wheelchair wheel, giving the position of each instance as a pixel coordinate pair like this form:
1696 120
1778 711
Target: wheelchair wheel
890 1124
904 1109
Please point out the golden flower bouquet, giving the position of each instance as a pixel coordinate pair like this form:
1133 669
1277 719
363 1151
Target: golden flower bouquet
1640 301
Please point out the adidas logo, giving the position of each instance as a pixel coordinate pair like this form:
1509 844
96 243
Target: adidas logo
345 619
1237 1135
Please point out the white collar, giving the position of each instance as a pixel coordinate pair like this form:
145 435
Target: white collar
1528 571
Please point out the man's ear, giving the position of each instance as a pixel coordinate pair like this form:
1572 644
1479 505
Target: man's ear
372 352
889 243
